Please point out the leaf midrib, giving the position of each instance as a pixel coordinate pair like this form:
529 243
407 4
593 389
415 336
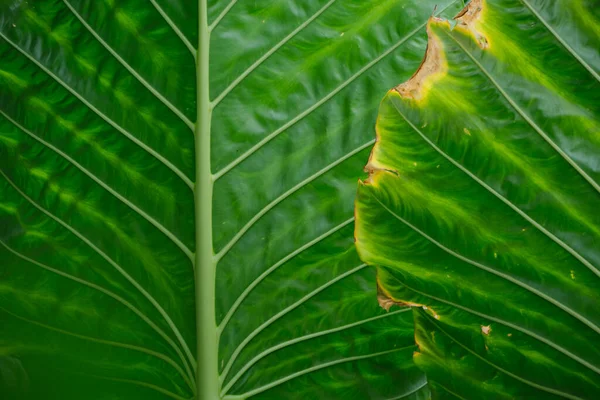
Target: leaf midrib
207 377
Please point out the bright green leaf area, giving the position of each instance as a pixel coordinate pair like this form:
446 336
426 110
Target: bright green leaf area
176 198
482 207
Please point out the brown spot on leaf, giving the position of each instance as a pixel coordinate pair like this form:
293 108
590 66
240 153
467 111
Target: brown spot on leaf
486 329
386 301
468 18
373 165
432 63
371 169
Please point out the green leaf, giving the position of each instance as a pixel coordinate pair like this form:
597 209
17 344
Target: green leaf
481 206
176 200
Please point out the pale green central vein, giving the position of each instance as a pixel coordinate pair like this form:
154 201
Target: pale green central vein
207 378
207 332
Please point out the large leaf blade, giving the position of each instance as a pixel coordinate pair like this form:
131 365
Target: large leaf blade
98 105
482 201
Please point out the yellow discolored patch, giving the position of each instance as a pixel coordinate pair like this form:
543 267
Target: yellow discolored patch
12 80
10 209
39 173
8 141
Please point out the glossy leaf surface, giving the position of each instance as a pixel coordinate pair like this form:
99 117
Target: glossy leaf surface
110 112
481 208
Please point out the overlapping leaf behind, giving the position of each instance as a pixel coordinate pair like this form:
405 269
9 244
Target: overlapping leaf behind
482 206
